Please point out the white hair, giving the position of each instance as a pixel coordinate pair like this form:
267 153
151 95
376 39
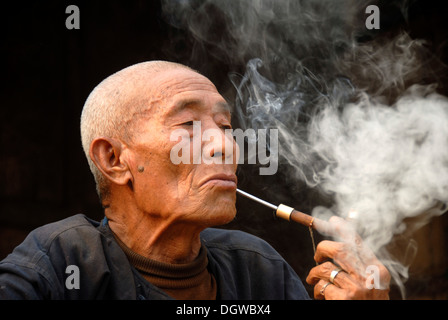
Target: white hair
111 106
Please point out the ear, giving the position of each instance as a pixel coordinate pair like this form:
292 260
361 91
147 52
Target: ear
108 156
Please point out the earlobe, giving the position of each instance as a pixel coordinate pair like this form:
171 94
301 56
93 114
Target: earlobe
108 156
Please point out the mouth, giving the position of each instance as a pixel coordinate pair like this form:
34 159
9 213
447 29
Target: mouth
224 181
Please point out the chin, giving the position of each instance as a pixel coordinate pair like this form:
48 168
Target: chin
210 208
221 213
226 218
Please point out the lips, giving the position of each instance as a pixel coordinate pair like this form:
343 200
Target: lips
221 180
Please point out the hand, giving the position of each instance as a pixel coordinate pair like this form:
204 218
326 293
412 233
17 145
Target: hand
355 280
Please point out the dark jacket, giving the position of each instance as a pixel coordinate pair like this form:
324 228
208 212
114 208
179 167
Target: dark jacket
245 267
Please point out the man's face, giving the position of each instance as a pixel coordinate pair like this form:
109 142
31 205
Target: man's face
201 192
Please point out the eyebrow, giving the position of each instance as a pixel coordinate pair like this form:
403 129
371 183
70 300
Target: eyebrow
222 106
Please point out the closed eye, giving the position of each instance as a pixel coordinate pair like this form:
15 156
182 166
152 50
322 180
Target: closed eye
226 126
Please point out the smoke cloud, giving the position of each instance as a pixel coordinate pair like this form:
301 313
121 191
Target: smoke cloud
358 112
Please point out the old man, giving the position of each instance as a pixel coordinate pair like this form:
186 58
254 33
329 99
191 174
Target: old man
157 239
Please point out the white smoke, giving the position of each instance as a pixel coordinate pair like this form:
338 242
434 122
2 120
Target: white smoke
359 121
389 164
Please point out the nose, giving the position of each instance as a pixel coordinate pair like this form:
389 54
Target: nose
219 146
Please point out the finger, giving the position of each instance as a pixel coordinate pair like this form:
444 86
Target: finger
325 290
344 231
342 254
324 271
319 290
349 260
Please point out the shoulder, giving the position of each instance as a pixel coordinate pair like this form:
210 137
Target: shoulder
61 240
47 233
40 260
247 267
71 232
43 238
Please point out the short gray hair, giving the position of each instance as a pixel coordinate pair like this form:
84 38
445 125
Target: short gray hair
111 106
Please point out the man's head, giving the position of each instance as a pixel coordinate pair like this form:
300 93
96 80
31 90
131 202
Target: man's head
126 125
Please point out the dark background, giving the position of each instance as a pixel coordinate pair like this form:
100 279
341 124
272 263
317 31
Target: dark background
48 72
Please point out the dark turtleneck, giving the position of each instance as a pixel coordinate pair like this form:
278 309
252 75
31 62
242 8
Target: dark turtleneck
189 281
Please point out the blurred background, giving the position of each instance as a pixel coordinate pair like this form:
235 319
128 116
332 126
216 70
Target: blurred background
48 72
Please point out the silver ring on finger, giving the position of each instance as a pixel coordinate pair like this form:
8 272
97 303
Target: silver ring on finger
334 273
322 290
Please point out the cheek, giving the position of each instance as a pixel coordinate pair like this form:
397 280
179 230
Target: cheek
161 182
153 192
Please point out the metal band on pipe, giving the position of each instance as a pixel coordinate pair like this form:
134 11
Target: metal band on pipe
284 212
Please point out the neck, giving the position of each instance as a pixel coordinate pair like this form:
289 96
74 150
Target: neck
158 239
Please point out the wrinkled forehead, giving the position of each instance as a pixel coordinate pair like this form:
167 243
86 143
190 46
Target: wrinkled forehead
165 95
177 89
179 81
